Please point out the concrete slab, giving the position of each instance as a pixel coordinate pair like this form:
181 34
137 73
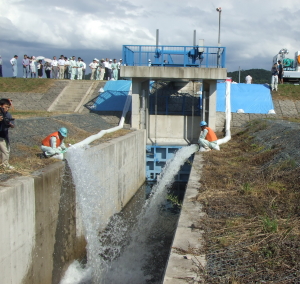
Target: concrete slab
171 73
185 260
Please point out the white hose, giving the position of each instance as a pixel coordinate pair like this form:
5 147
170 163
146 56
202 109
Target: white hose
94 137
227 114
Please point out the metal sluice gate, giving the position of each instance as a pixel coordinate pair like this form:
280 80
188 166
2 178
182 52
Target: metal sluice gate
156 158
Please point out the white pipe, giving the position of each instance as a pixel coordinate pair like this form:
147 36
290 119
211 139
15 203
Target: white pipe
227 114
94 137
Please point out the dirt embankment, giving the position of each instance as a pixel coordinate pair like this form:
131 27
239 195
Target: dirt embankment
250 193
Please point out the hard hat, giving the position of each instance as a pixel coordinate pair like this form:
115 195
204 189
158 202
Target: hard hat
149 59
203 123
63 131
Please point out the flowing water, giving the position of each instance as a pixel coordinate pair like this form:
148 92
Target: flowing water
123 252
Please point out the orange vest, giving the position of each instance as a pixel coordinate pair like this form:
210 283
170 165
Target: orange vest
210 136
46 141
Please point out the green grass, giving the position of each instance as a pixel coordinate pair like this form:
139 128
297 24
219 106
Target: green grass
25 85
287 92
19 114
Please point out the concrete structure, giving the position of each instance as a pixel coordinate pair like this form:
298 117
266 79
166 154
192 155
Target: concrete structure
165 129
40 232
75 95
185 258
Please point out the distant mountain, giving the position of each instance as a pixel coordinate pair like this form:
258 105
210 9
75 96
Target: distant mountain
259 76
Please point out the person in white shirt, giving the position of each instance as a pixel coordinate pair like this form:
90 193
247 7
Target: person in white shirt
61 63
80 65
83 69
14 64
120 63
248 79
73 66
98 70
93 66
32 66
102 69
54 65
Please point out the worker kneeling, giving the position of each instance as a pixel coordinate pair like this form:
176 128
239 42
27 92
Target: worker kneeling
53 145
207 139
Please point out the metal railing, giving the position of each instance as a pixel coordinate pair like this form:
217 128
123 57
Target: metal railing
174 56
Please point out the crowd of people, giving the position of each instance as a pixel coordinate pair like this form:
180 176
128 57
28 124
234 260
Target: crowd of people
67 68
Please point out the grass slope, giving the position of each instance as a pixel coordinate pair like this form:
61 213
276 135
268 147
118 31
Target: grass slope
252 227
15 85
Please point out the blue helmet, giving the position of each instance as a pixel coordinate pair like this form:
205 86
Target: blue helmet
63 131
203 123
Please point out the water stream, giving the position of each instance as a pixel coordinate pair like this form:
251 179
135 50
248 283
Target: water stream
121 254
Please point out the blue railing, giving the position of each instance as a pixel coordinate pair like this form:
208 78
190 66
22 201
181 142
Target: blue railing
174 56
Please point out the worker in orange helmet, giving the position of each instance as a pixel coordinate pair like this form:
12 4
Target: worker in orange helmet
207 139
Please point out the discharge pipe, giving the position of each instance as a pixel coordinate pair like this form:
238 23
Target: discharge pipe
227 113
94 137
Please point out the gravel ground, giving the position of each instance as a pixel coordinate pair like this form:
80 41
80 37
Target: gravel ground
284 135
31 131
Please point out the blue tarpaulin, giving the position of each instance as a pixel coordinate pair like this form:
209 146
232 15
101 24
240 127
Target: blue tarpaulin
114 96
252 98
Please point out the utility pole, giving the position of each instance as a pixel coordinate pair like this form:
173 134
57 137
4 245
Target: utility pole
219 37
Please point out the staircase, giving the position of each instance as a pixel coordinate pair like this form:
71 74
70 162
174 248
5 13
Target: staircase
75 95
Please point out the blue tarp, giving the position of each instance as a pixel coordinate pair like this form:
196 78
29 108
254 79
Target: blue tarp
114 96
252 98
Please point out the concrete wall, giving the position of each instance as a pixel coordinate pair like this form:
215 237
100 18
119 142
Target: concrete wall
38 213
173 129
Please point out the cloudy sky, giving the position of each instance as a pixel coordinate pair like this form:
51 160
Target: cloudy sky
252 31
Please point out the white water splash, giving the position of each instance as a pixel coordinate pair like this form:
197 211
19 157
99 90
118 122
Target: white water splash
126 266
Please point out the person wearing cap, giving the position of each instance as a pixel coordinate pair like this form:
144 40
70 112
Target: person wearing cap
53 145
80 66
73 66
207 139
1 66
93 66
149 62
14 64
61 64
25 63
114 68
102 69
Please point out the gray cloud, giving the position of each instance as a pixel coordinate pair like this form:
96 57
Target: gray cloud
253 32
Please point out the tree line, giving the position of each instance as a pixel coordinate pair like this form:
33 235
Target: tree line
259 76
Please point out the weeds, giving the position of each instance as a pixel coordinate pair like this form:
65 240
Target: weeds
252 228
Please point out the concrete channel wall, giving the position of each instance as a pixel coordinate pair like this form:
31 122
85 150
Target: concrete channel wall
38 221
